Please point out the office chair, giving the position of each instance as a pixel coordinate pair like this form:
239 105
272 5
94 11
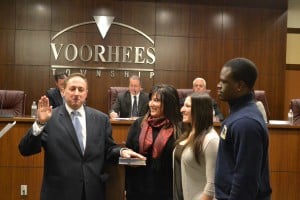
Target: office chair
295 106
260 95
12 103
113 94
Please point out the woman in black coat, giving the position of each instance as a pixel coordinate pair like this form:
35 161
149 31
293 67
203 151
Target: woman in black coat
153 136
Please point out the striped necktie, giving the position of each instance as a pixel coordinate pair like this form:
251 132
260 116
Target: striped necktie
134 112
78 128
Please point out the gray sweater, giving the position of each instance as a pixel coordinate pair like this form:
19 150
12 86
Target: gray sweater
198 179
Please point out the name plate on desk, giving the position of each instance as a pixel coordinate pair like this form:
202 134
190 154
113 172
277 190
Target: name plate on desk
279 122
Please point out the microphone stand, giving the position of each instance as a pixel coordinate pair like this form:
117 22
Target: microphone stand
7 128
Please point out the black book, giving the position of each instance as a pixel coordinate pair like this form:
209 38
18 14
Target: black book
132 161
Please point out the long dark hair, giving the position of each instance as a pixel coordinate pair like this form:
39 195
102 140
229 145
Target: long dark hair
201 123
170 105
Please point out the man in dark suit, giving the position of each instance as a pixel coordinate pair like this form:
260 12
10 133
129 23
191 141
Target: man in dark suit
55 94
77 140
125 104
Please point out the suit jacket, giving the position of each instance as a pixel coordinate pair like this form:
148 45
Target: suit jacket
54 96
66 170
123 104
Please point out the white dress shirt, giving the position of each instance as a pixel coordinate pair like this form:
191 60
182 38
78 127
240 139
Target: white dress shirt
82 118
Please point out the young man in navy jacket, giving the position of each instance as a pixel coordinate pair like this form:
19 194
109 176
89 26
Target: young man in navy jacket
242 168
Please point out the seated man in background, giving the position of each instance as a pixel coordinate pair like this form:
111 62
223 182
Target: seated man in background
199 85
55 95
260 106
262 109
132 103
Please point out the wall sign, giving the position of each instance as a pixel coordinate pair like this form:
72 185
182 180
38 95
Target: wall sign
101 54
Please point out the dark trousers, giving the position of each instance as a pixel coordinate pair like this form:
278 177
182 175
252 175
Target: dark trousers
264 198
83 194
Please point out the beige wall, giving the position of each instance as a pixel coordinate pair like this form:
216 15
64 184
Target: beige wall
292 54
293 14
293 48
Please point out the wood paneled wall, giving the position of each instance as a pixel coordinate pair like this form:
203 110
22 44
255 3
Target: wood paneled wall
191 40
15 169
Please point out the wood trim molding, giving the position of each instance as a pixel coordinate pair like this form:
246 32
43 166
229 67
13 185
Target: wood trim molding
293 30
292 67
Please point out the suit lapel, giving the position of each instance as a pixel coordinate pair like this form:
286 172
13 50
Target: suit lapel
90 127
140 103
128 102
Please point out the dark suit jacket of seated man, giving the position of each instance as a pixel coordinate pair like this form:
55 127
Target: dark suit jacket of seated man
55 94
123 105
55 98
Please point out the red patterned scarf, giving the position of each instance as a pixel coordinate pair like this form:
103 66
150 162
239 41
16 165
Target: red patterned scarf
146 136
